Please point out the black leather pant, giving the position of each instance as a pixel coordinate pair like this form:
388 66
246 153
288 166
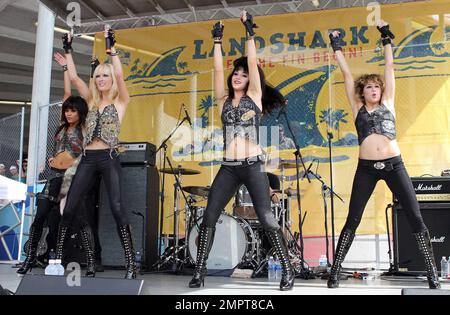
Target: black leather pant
225 185
396 177
93 164
48 198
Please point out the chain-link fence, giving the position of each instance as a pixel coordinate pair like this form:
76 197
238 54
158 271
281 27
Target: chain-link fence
54 121
13 166
11 146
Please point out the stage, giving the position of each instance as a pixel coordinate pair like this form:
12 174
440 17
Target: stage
171 284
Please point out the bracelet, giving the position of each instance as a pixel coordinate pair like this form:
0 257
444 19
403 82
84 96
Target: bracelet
65 68
116 53
218 42
386 41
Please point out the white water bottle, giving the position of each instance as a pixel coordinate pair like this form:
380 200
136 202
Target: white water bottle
59 267
51 268
444 268
278 269
323 261
271 272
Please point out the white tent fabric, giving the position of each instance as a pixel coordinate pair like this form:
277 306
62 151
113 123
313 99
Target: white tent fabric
12 190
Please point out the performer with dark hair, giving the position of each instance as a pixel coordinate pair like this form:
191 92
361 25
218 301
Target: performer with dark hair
372 103
108 98
249 96
68 146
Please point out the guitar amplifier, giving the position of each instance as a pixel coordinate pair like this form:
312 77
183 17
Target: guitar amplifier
432 189
137 153
436 216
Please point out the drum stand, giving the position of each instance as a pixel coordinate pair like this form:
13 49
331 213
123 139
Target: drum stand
326 191
171 254
305 273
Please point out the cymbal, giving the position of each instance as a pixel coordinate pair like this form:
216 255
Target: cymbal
197 190
180 170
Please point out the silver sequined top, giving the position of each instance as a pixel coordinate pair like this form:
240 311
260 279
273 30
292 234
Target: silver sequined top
104 126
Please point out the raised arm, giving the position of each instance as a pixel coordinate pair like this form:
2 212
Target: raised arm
79 84
254 87
349 83
63 63
219 82
389 75
124 96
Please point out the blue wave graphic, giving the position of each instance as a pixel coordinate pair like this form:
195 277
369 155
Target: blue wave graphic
159 80
414 68
414 62
167 93
159 85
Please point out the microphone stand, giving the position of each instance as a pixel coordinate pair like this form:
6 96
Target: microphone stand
161 222
330 136
325 188
305 273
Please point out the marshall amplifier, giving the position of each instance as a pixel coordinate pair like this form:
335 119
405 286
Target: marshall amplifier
432 189
436 216
137 153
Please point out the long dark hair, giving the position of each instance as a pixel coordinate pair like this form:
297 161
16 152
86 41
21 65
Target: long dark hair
76 103
271 97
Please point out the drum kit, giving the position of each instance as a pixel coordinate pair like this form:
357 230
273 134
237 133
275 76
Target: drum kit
239 240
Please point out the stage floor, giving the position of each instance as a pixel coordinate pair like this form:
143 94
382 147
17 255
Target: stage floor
170 284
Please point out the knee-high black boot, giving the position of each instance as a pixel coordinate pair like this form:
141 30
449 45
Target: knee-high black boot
62 233
33 242
127 244
287 277
344 243
205 242
424 242
89 248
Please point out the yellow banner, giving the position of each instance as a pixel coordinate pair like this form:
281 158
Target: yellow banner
167 66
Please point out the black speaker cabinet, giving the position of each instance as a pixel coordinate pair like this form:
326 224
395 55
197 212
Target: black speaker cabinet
436 216
137 153
139 189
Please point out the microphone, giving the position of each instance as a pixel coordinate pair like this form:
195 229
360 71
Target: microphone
108 40
187 115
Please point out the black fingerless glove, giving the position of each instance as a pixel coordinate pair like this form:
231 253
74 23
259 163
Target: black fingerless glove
386 35
110 41
249 25
94 64
335 42
67 44
217 32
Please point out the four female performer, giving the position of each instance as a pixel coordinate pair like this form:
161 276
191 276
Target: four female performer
247 98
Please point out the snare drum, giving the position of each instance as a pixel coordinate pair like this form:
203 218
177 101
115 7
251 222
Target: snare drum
243 206
234 243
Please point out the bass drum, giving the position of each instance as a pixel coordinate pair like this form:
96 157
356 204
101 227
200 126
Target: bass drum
234 243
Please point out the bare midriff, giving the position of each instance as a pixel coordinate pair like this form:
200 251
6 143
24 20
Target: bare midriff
241 148
378 147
